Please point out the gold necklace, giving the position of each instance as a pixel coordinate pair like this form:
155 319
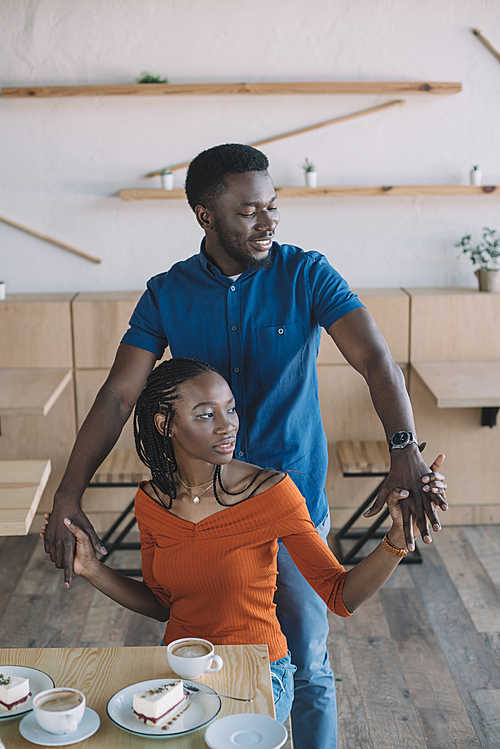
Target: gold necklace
196 498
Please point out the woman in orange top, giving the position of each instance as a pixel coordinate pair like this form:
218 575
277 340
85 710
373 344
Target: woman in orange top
209 526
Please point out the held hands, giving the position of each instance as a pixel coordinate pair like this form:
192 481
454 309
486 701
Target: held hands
60 543
415 506
85 562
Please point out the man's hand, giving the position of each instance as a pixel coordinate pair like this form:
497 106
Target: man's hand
85 560
60 542
427 491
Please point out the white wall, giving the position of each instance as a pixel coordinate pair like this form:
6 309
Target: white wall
63 160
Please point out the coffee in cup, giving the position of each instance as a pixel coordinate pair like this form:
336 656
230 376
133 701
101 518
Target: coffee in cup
191 649
59 710
191 657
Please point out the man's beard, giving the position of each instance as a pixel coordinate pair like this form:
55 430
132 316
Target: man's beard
240 253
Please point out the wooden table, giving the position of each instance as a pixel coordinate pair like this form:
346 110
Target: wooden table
101 672
21 486
469 384
31 392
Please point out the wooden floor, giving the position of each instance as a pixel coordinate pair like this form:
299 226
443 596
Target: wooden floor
417 667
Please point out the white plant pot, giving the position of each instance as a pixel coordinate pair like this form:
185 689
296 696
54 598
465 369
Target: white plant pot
167 181
2 290
311 179
476 177
489 280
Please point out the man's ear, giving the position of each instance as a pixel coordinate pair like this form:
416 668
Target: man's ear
204 217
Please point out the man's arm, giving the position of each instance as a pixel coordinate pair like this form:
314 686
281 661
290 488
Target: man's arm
99 432
364 347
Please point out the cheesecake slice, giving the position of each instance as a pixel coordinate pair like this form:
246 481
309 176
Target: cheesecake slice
154 706
14 690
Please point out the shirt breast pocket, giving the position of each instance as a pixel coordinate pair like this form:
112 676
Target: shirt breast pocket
280 353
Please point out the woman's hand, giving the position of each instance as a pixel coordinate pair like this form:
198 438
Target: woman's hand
85 562
433 482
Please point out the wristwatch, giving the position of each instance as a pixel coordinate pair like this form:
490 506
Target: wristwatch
401 439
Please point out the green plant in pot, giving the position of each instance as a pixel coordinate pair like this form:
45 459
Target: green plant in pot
310 173
167 179
486 256
147 77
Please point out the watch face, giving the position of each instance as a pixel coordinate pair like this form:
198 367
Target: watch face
400 438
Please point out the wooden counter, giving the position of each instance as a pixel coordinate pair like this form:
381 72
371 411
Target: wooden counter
461 384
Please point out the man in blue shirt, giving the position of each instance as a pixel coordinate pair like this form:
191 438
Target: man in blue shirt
254 310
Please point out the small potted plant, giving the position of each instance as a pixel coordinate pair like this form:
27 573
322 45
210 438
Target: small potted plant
146 77
486 255
310 173
167 179
476 175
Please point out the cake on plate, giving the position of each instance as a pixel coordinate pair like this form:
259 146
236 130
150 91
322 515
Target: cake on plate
14 690
154 706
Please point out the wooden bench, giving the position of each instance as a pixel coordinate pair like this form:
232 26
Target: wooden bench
122 468
21 486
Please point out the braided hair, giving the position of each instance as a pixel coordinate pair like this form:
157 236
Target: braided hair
155 449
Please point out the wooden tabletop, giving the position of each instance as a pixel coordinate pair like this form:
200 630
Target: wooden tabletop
21 486
101 672
461 384
31 391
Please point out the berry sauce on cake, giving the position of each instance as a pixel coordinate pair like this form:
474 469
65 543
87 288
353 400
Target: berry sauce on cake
14 690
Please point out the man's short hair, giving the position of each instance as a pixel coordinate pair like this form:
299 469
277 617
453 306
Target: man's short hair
206 176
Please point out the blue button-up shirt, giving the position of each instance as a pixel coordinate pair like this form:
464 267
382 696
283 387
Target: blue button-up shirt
262 333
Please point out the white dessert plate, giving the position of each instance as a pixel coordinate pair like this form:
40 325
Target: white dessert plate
39 682
201 708
246 729
30 730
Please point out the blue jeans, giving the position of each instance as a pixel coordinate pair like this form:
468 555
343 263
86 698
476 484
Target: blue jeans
282 672
303 619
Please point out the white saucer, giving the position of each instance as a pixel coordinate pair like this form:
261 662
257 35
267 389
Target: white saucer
246 729
202 707
39 682
30 729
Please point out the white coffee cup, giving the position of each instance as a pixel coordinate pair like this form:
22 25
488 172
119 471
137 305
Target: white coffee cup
59 710
191 657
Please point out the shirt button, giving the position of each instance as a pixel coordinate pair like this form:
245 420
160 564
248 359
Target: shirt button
240 453
280 331
236 370
234 327
233 288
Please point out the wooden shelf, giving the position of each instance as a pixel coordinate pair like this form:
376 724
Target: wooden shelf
347 191
203 89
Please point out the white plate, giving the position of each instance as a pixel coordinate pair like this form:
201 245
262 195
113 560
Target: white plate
246 729
202 707
39 682
30 729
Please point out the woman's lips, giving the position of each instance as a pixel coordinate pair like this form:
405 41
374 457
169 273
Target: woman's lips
225 447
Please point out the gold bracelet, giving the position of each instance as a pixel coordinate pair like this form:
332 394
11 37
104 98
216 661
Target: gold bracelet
393 549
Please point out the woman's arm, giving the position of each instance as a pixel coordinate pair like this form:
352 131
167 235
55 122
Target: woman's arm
130 593
343 591
369 575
